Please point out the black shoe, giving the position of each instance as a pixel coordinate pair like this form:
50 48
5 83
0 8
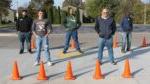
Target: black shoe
64 52
30 51
114 63
123 51
100 63
80 51
21 52
128 49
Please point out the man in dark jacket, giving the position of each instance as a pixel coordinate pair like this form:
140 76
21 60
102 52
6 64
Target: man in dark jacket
23 26
126 27
71 26
105 28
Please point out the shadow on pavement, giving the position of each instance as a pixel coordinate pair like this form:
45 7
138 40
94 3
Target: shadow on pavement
29 75
105 74
78 75
62 46
73 57
133 54
137 71
55 76
58 47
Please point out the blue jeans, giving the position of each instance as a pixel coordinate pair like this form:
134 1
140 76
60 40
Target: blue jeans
126 40
108 43
74 35
42 40
24 36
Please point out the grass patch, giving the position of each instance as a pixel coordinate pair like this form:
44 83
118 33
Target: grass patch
6 25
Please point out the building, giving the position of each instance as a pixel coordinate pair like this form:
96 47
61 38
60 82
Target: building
74 4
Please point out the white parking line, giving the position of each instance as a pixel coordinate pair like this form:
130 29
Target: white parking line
8 34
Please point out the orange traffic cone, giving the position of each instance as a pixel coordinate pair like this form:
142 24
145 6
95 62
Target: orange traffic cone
73 44
33 43
15 72
42 74
144 43
126 73
69 74
98 74
115 41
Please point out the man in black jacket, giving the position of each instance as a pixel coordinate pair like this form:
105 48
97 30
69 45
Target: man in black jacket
23 26
105 28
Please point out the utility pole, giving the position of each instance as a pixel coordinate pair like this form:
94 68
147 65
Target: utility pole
145 15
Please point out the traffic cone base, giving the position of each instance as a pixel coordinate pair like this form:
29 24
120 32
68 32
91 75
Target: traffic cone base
42 74
15 72
43 78
16 78
70 78
98 74
98 77
69 74
126 76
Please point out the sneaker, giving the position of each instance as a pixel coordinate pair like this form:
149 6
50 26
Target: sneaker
80 51
36 63
128 49
49 63
30 51
100 63
113 63
21 52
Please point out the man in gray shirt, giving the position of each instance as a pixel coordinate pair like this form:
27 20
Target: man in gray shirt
41 28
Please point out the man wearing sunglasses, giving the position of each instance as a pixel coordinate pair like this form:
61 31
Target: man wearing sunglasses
105 27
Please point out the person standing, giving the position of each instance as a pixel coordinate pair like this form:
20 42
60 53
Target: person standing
41 28
71 25
127 28
23 26
105 27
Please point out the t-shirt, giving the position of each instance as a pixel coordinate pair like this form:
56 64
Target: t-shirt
41 27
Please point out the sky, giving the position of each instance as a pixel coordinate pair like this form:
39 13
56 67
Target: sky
26 2
145 1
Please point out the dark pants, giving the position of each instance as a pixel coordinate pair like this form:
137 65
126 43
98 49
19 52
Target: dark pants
24 36
74 35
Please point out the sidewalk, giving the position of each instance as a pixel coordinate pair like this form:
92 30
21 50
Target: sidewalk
83 67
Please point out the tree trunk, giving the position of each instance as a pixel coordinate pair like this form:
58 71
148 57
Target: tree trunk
51 13
0 19
59 11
